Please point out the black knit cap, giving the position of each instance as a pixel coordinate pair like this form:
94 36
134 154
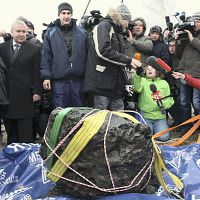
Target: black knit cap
64 6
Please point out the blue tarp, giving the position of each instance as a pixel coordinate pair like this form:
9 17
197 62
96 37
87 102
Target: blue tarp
130 196
23 176
23 173
184 162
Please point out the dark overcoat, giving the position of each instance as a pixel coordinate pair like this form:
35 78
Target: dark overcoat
22 78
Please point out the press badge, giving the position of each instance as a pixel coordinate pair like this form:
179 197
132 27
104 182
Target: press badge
100 68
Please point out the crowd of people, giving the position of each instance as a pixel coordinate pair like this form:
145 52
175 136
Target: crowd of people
74 67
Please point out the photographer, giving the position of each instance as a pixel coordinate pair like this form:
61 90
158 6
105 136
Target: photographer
137 41
189 64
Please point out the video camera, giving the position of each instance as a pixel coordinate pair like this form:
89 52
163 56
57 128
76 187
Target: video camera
184 24
89 22
129 28
170 27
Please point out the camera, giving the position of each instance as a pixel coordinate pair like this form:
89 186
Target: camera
129 28
170 28
185 24
44 104
89 22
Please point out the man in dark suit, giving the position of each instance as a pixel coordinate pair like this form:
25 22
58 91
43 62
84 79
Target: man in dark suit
22 82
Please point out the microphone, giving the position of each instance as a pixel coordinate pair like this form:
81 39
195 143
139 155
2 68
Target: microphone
156 96
168 69
151 60
161 66
176 14
137 56
139 70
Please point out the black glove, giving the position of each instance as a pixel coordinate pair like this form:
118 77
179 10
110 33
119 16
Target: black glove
139 71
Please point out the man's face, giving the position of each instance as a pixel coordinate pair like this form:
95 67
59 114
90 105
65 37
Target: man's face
65 17
155 36
138 28
19 32
197 24
172 47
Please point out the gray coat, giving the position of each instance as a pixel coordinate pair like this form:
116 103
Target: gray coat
142 44
190 58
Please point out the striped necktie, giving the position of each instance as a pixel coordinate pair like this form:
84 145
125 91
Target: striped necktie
16 50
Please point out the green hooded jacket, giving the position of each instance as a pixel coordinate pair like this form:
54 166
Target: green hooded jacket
146 104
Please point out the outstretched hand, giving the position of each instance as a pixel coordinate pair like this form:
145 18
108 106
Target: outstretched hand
178 75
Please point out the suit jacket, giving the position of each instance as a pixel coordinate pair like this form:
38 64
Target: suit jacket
22 78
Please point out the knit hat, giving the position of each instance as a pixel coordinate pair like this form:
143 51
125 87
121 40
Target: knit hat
64 6
124 11
196 15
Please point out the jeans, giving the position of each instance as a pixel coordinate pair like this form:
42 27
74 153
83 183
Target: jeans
189 96
67 93
157 125
106 103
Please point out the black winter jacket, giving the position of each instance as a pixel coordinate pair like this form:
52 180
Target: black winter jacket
160 50
105 64
55 62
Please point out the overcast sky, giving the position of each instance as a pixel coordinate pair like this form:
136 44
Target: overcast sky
153 11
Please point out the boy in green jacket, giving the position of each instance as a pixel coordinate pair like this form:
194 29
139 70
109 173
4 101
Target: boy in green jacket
152 103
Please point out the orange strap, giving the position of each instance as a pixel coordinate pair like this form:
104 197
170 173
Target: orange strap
198 141
186 135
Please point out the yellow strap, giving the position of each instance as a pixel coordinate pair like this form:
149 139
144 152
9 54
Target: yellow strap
127 116
90 127
159 166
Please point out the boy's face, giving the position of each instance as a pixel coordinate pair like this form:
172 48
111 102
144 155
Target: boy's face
172 47
154 36
151 72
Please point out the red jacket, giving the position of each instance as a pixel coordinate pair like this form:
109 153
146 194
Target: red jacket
194 82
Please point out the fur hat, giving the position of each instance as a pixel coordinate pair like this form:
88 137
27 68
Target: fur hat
196 15
156 29
64 6
123 10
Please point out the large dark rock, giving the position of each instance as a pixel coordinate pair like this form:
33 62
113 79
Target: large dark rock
128 148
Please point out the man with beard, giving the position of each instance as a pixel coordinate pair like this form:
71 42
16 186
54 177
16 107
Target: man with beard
138 42
63 59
